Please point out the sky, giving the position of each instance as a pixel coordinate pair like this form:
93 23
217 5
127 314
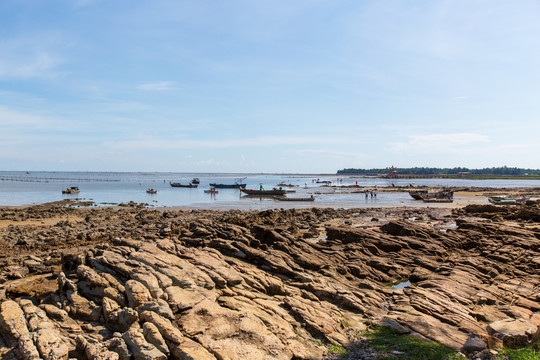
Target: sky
268 86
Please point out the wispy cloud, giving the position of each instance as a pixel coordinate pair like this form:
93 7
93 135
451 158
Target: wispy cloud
433 143
158 143
157 86
333 154
33 66
33 56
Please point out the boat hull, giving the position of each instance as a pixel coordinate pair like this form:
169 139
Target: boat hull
263 192
184 186
229 186
294 199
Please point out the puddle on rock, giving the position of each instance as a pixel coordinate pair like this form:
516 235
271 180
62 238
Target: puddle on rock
401 284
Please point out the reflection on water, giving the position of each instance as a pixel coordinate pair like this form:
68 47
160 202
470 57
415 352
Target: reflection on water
402 285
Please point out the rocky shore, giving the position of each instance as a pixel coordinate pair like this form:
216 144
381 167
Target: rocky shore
135 283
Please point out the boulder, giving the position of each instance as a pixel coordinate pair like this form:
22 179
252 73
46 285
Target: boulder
136 293
12 322
473 344
141 349
153 336
50 345
513 332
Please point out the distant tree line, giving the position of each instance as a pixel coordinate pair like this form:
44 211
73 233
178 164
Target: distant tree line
508 171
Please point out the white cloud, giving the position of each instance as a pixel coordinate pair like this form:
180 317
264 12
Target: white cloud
157 143
435 143
32 56
157 86
333 154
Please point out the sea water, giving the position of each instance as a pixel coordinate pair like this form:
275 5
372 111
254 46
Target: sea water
111 188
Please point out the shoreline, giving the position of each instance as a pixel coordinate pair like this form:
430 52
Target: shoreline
462 196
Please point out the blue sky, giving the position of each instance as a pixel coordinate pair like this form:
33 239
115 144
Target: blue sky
268 86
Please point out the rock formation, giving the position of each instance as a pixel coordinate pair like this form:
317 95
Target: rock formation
276 284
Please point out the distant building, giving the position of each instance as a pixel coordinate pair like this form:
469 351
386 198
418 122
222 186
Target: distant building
392 173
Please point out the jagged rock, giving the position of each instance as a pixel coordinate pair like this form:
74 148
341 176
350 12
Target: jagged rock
27 348
473 344
181 299
95 351
136 293
118 346
149 280
91 276
158 306
80 307
153 336
115 294
514 332
207 319
179 346
36 318
50 345
54 312
120 319
140 348
269 287
12 322
64 284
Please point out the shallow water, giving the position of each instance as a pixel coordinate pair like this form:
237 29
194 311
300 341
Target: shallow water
105 188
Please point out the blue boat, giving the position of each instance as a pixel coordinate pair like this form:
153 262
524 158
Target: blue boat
237 185
228 186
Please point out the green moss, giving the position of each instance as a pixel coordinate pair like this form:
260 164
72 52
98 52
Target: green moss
526 353
337 350
394 346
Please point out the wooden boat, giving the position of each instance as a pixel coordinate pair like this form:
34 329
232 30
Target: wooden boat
151 191
190 185
195 181
508 199
438 200
326 182
71 190
423 194
262 192
417 195
280 198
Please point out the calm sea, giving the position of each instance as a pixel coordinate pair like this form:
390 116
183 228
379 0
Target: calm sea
109 188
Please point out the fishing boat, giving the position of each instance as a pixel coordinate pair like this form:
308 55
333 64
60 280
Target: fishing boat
281 198
71 190
177 184
438 200
424 194
444 196
263 192
151 191
417 195
237 185
228 186
508 199
196 181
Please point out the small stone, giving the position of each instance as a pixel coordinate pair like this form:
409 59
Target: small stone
473 344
